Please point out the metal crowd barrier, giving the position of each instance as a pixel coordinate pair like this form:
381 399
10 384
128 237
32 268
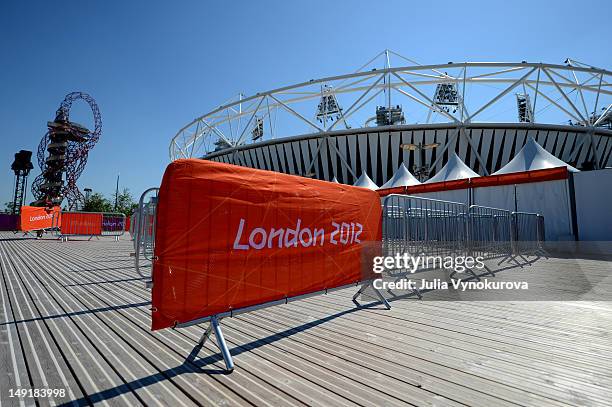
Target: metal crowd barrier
423 226
528 234
91 224
132 220
489 232
430 227
113 224
143 227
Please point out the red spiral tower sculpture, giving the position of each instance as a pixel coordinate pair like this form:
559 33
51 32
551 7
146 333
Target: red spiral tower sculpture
62 155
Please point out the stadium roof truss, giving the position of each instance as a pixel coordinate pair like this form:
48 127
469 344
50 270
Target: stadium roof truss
574 93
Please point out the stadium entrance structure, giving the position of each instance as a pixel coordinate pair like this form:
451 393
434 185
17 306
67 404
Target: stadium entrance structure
344 125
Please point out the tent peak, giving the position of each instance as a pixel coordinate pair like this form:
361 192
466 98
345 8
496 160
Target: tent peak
365 182
533 157
402 178
454 169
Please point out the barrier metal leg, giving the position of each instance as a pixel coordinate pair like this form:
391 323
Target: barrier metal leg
205 336
489 271
227 356
382 299
215 327
467 270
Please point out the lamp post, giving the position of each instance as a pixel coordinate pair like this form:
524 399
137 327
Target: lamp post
117 192
422 170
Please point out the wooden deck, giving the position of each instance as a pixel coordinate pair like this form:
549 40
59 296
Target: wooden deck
75 316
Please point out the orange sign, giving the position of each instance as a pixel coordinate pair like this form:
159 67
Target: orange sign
36 218
230 237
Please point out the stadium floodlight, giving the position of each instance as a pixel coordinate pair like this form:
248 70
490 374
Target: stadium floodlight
447 97
389 116
258 129
523 104
329 109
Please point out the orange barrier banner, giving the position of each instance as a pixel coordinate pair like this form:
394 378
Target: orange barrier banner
36 218
230 237
548 174
81 223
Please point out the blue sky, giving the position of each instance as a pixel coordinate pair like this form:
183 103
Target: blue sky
154 66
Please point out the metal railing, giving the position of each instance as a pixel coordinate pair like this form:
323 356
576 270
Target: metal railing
489 232
528 233
423 226
429 227
143 228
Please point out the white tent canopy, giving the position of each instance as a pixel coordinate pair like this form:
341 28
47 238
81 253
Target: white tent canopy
365 182
453 170
335 180
401 178
533 157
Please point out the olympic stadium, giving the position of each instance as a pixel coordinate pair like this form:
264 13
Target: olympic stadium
393 110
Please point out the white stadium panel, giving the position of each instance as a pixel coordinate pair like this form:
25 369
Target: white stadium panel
305 155
540 137
352 149
260 159
395 149
442 137
509 138
290 158
272 164
476 135
280 153
384 156
584 150
295 149
429 137
498 141
324 159
343 148
487 140
247 159
561 137
605 145
462 144
373 154
406 137
551 138
363 152
521 137
313 162
333 156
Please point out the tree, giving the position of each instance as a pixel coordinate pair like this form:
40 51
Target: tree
125 203
97 203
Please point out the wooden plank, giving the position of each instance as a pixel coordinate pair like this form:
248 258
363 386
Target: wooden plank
470 372
107 346
147 341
